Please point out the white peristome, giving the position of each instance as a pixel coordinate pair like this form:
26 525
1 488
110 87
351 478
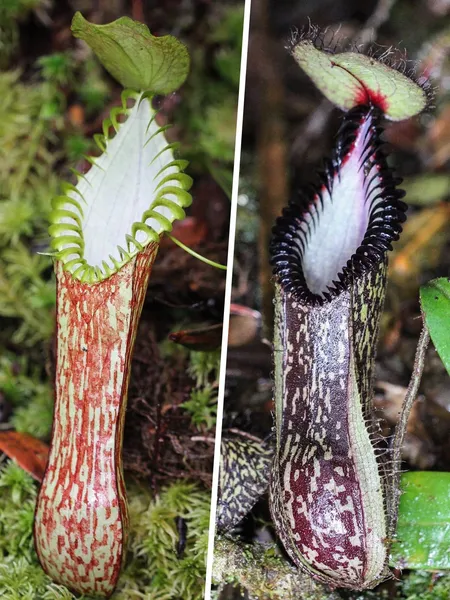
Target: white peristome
122 185
333 233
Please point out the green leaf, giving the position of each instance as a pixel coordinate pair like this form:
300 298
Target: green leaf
435 301
133 56
348 79
423 530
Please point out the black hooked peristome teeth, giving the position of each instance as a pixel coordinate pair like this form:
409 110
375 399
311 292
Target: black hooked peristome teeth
346 223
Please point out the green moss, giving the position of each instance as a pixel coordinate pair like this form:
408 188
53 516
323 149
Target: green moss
31 397
228 33
425 586
56 67
92 88
22 580
153 570
263 573
209 133
77 146
202 406
202 403
153 567
204 366
27 181
36 418
17 499
218 133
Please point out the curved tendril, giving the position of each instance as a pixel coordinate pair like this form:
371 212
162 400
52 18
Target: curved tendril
196 254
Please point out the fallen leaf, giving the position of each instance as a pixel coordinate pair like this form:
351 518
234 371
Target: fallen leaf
201 339
27 451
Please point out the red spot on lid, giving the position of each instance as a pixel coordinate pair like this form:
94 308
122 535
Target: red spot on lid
367 96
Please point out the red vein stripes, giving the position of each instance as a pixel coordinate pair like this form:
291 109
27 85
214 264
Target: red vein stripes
81 514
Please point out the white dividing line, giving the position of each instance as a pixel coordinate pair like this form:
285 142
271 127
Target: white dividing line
228 285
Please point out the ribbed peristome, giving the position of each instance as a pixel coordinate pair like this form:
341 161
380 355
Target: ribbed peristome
130 196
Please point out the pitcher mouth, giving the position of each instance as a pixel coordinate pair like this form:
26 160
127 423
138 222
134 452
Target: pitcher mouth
131 195
346 223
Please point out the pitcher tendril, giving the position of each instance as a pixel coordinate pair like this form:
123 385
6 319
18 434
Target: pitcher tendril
196 254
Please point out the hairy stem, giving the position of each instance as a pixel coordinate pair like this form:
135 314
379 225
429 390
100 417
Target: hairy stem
196 254
411 395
